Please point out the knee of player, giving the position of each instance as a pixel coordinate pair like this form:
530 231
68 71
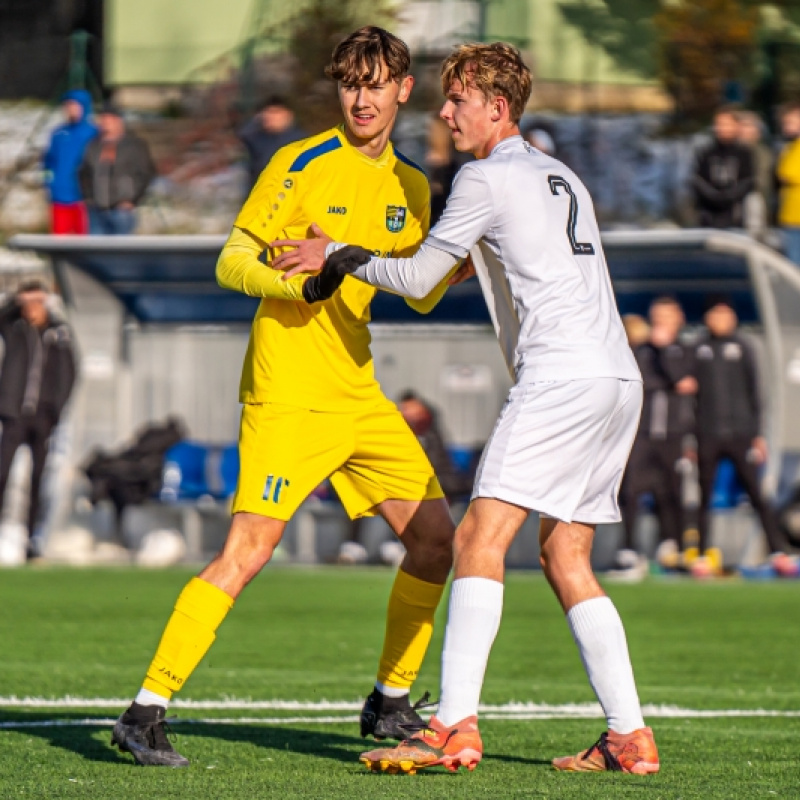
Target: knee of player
473 540
563 554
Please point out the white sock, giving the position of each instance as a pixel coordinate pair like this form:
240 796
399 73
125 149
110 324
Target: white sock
148 698
476 605
598 632
390 691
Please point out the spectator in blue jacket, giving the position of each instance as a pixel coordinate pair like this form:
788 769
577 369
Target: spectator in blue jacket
61 162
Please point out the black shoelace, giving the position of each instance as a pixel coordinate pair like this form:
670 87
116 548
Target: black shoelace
601 745
160 734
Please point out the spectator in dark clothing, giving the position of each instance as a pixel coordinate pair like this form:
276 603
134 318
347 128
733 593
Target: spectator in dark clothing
759 205
667 418
270 129
115 173
62 161
724 174
36 379
423 421
729 422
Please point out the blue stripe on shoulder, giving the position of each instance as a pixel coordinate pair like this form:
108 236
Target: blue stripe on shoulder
306 157
406 160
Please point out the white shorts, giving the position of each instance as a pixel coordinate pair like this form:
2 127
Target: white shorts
560 448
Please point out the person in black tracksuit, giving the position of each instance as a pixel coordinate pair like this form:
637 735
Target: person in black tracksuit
724 174
667 418
36 379
729 417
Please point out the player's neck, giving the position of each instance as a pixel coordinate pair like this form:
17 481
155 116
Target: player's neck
371 148
484 150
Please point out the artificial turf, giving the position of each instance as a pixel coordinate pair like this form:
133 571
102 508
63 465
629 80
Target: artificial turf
315 634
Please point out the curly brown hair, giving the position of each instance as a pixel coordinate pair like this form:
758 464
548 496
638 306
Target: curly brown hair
360 57
496 70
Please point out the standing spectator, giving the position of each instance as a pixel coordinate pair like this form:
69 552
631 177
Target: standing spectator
270 129
729 425
759 204
667 418
723 175
788 174
62 160
115 173
424 422
36 379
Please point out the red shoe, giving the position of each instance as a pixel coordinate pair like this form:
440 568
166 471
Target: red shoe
459 745
616 752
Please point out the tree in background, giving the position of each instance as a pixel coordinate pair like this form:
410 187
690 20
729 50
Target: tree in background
706 52
315 32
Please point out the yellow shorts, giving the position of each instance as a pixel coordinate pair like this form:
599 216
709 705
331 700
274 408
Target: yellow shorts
370 456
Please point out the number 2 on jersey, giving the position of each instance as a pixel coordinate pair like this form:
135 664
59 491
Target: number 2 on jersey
578 248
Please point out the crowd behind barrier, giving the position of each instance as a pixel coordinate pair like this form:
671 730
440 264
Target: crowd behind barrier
97 173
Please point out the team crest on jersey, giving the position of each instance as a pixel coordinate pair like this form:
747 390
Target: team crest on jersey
395 218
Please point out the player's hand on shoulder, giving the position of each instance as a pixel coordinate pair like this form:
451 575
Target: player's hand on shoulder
337 266
304 255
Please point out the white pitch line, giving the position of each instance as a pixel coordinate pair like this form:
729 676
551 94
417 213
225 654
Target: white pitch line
507 711
662 712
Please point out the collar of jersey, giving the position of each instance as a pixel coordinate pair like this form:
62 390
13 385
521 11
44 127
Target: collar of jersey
381 161
511 141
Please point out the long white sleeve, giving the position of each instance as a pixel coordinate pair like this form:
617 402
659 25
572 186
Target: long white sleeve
414 277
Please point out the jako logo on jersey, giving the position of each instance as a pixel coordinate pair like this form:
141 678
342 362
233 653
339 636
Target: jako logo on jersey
274 487
395 218
341 210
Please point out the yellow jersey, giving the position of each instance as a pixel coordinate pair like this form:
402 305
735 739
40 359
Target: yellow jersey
317 356
788 171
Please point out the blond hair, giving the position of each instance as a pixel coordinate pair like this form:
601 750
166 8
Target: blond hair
495 70
360 57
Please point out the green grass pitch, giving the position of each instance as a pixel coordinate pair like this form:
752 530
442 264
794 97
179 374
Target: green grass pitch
311 635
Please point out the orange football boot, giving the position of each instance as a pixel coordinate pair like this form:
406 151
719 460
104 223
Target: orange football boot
459 745
617 752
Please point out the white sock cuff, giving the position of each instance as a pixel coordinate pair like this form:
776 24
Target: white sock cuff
148 698
390 691
476 593
592 613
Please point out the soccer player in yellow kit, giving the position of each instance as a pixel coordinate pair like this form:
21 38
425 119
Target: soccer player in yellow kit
312 406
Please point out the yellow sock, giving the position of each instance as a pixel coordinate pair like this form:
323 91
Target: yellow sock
409 625
191 630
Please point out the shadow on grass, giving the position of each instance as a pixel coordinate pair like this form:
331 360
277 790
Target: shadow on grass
65 732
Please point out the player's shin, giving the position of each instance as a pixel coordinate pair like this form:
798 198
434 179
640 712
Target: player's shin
476 605
189 634
600 636
409 625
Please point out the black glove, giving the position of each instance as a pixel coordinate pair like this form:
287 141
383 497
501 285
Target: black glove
337 265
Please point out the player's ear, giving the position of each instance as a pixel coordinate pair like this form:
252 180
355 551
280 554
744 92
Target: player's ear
499 108
406 85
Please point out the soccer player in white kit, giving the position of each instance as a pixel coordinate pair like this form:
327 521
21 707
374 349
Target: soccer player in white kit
564 435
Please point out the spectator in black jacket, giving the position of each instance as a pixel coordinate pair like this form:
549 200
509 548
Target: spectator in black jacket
724 174
36 379
667 418
729 423
114 175
270 129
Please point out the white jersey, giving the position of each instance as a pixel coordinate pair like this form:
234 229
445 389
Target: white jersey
529 223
